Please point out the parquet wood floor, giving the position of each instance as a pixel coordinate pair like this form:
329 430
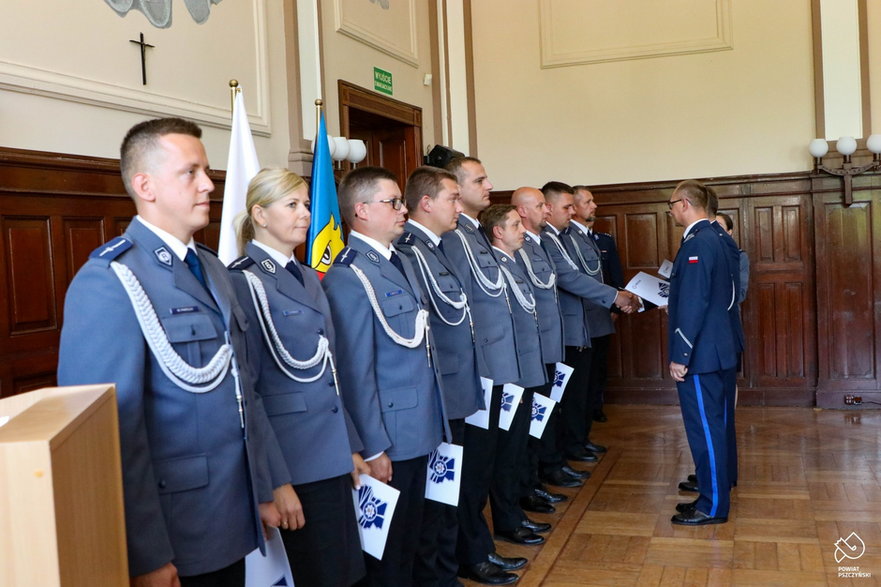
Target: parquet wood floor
807 478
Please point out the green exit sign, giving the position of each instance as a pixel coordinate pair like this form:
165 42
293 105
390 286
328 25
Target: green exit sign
382 81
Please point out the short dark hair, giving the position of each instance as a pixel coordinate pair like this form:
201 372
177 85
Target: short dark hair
359 185
552 189
495 215
712 202
696 193
425 181
142 139
456 164
729 222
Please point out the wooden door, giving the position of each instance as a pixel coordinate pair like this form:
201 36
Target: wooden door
391 129
848 242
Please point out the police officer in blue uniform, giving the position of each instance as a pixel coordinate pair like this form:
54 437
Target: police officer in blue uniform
575 285
433 201
387 369
469 249
292 359
157 315
702 350
503 224
536 265
599 319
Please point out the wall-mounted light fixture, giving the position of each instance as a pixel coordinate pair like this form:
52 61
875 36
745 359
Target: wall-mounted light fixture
847 146
342 149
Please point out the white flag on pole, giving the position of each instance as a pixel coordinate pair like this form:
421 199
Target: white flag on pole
241 166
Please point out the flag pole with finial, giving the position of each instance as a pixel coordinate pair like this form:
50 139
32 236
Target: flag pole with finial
318 104
233 90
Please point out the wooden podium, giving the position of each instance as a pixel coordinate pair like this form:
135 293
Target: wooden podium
61 507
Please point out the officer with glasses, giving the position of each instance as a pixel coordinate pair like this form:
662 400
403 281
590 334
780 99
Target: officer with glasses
387 372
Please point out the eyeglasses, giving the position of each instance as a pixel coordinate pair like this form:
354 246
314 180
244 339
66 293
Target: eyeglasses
396 203
673 203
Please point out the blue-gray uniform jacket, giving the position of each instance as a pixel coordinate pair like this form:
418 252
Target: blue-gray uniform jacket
308 417
574 285
526 331
701 332
188 467
451 328
392 392
538 267
589 259
476 265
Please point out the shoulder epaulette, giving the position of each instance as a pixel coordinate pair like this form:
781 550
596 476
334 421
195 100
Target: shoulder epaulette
346 256
112 249
241 263
206 248
407 238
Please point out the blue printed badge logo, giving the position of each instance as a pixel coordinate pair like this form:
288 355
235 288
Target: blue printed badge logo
538 411
559 377
507 401
372 508
664 290
443 468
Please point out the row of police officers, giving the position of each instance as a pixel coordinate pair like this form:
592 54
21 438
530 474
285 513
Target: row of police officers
254 396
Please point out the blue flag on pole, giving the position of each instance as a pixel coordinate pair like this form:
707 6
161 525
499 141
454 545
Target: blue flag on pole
325 239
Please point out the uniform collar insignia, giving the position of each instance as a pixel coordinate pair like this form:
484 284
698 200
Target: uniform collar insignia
268 265
163 255
372 256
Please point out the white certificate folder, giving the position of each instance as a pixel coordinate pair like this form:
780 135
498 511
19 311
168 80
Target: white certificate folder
649 287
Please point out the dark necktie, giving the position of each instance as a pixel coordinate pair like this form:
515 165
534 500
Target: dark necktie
192 261
440 245
294 269
396 261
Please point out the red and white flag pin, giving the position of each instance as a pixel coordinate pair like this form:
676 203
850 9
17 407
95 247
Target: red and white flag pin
692 259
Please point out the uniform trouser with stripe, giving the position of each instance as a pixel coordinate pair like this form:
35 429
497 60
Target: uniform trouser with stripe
703 403
730 404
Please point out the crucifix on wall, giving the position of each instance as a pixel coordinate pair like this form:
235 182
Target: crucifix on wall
144 46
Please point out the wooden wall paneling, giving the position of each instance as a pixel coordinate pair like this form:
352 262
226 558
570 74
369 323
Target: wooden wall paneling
54 210
28 258
778 316
773 220
848 241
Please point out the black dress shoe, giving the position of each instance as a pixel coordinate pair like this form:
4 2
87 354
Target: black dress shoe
533 503
696 517
548 496
537 527
520 536
575 473
688 486
594 448
600 416
582 456
507 563
488 574
686 506
560 479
